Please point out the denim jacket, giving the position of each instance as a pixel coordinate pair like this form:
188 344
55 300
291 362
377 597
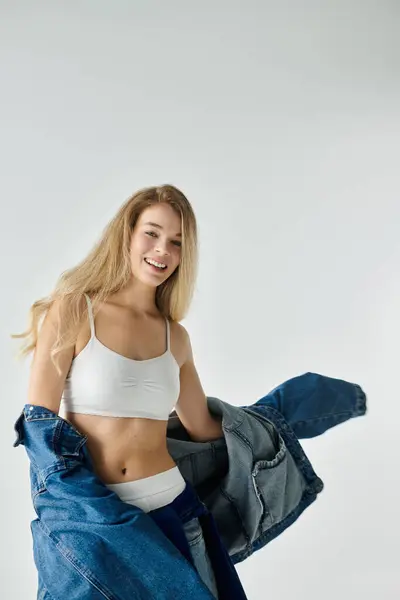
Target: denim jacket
256 481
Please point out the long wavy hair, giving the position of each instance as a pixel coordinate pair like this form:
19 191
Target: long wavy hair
107 269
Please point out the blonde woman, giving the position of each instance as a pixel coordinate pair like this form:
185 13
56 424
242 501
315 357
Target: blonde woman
112 356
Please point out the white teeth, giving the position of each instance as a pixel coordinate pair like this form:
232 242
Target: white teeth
153 262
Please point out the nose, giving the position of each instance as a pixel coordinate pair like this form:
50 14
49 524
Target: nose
161 249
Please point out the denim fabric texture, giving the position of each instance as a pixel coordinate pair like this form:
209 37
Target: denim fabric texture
87 543
195 536
191 527
253 483
311 404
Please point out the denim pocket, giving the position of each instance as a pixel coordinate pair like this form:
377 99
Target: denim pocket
270 482
68 442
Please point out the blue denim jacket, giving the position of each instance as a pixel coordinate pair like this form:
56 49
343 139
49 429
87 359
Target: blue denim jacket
256 481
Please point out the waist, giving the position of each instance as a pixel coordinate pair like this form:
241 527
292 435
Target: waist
124 449
133 467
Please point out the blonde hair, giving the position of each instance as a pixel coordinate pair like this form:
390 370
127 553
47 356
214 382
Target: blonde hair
107 269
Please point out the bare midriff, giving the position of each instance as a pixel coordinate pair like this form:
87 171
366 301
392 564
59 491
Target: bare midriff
127 448
124 448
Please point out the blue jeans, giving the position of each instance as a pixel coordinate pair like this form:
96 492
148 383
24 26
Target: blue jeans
309 415
88 544
190 526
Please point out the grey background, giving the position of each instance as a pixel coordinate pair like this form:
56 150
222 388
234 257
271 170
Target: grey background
280 121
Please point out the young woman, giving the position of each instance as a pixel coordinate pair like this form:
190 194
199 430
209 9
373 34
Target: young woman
112 355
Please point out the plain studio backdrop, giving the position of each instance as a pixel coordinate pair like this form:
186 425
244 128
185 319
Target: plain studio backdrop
280 122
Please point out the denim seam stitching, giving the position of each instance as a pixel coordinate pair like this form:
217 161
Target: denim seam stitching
330 416
239 516
75 562
308 497
292 443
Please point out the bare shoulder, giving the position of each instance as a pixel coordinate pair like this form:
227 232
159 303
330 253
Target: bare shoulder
180 332
46 385
180 342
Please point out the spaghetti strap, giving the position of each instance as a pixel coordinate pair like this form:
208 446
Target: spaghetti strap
168 333
90 313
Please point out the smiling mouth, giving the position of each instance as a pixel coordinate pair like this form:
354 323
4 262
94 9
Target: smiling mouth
159 269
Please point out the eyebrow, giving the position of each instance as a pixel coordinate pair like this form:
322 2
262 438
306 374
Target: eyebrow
159 227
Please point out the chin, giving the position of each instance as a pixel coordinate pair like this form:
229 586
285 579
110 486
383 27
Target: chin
151 281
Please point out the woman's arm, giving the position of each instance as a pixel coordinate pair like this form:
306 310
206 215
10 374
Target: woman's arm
191 407
45 385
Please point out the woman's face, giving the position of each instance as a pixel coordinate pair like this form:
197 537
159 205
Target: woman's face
157 236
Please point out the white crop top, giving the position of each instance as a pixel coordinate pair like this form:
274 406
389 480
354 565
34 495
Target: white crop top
102 382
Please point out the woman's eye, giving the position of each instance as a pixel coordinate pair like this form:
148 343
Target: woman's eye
153 233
